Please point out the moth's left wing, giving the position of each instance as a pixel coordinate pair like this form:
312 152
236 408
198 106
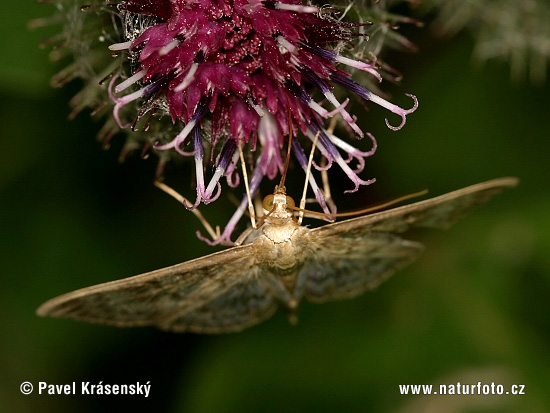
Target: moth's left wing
352 265
353 256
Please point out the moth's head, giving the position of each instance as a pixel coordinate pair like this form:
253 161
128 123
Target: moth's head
278 204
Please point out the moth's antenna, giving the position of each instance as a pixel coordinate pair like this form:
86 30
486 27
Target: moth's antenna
245 178
287 159
366 210
308 172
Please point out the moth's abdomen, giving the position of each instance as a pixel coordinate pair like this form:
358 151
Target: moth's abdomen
281 262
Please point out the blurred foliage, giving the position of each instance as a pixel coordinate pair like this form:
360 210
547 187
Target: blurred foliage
513 31
473 308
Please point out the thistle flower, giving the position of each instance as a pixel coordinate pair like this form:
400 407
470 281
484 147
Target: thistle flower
238 75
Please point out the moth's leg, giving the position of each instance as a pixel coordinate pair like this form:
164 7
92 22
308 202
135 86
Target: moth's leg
243 236
308 172
326 190
245 179
181 199
258 206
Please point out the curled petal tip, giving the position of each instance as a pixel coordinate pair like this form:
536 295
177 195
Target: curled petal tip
396 128
119 103
224 238
403 113
182 152
191 207
358 182
415 104
116 116
351 191
322 168
212 243
162 147
207 198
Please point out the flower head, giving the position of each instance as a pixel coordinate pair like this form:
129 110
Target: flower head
231 74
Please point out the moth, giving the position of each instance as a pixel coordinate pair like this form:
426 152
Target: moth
282 264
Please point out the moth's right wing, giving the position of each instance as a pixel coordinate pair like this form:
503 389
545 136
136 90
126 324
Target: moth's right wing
175 298
249 301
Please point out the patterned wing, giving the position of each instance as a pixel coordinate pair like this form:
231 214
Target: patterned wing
353 256
152 299
246 303
355 264
438 212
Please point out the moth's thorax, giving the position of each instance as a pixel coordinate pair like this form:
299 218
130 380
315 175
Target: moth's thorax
281 244
280 230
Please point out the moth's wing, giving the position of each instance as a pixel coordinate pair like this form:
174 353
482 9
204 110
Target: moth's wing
438 212
155 298
351 265
356 255
248 302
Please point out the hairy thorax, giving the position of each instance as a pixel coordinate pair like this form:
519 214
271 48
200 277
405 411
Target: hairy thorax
281 246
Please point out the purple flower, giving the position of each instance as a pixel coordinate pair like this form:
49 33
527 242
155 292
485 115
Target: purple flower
211 79
245 66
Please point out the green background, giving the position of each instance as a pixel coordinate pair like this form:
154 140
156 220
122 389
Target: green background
473 308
